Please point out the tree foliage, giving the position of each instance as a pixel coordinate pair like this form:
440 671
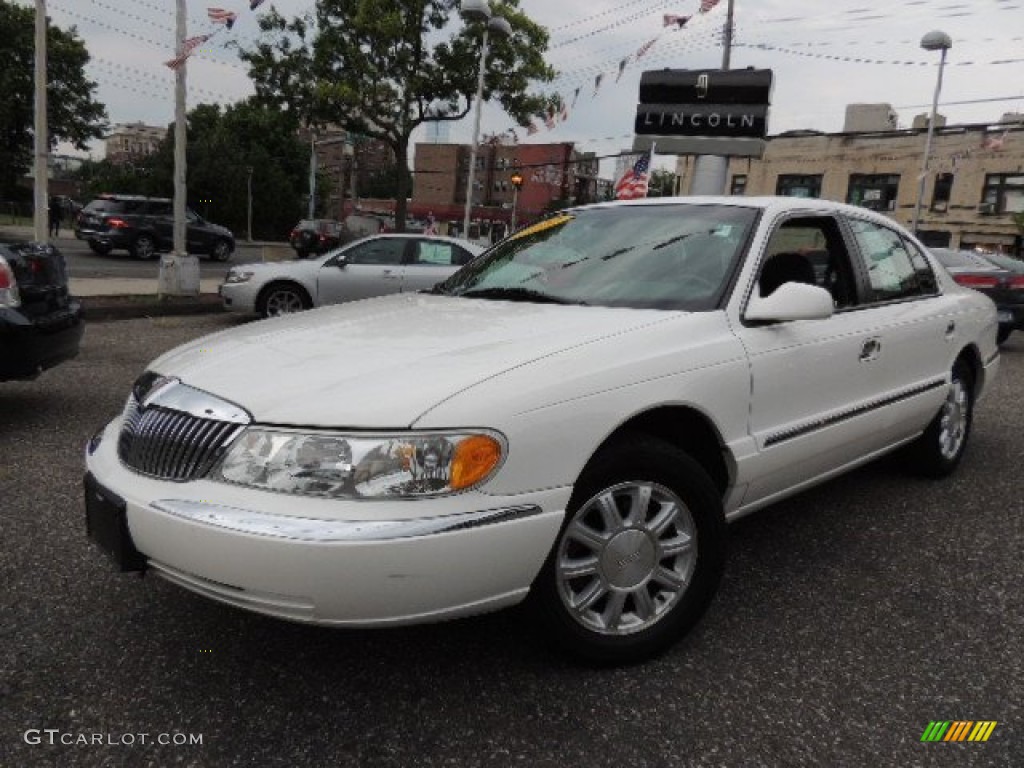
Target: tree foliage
73 113
383 67
223 144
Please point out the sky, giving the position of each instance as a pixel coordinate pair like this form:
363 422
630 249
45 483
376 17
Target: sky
825 54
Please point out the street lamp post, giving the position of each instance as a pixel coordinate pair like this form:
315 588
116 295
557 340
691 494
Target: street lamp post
479 10
933 41
517 182
248 185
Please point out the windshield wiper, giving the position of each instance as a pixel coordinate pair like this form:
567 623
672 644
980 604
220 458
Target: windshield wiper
517 294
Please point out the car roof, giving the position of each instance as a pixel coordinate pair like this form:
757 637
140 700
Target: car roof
775 203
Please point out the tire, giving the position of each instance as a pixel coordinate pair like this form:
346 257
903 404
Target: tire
222 251
144 248
282 299
639 556
99 249
938 451
1003 334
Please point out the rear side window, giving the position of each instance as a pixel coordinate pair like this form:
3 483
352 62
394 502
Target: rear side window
896 269
105 206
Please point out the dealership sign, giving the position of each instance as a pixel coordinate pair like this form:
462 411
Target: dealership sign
720 112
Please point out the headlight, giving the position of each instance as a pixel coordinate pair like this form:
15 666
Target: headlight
238 277
362 466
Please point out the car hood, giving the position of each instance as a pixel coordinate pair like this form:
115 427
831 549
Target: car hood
382 363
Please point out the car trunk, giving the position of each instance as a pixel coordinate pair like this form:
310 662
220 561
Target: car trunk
42 276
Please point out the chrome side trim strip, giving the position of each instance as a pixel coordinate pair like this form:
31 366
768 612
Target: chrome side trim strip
828 421
308 529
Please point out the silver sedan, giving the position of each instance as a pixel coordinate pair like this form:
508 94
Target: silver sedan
373 266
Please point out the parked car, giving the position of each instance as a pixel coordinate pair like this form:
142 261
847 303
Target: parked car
998 277
574 417
144 226
314 236
373 266
41 324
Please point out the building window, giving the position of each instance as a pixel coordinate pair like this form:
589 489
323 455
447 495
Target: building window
1004 192
739 185
794 185
877 192
943 188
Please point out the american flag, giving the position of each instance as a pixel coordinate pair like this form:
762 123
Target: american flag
670 18
220 16
707 5
633 183
254 4
187 49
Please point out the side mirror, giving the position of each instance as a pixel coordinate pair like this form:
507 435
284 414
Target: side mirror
791 301
340 261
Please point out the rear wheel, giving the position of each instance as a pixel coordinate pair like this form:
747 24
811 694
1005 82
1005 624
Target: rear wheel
283 299
937 452
144 248
639 556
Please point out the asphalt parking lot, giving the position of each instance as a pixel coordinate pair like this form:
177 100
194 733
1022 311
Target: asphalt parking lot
849 618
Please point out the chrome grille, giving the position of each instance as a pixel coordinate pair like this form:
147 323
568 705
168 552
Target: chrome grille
176 432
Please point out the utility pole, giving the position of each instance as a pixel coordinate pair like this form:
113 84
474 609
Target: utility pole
312 175
41 213
711 171
248 229
179 272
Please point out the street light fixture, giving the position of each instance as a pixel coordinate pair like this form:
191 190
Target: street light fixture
933 41
479 10
517 182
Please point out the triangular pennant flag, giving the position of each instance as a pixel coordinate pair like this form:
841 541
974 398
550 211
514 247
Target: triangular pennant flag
645 48
575 95
622 67
597 82
220 16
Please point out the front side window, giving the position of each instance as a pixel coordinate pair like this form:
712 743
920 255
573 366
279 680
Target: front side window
1004 192
381 251
809 249
676 257
896 269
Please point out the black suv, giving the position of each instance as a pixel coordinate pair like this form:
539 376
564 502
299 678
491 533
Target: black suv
40 323
144 226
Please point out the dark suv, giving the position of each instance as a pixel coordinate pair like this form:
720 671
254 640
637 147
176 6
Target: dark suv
40 323
144 226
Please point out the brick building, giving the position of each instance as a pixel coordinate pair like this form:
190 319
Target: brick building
553 175
975 183
128 142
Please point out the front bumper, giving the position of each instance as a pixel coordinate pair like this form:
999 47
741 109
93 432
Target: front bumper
29 345
239 297
335 562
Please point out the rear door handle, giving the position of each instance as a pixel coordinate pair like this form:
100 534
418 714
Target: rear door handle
870 350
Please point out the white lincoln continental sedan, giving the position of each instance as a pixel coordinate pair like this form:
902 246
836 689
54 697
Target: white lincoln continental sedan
572 418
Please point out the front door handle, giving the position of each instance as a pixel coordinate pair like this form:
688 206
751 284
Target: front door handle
870 350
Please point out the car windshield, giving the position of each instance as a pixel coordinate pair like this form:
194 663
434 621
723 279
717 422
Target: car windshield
677 257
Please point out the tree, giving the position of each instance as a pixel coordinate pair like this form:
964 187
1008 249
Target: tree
663 184
382 67
73 114
223 144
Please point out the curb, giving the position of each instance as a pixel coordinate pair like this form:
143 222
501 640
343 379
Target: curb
109 308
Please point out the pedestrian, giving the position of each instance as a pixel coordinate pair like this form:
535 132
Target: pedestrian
56 212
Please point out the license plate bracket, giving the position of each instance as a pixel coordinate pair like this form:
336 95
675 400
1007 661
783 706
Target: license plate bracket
106 523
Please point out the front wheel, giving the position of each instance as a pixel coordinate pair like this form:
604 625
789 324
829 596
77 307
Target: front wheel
282 299
100 249
222 250
938 451
639 557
